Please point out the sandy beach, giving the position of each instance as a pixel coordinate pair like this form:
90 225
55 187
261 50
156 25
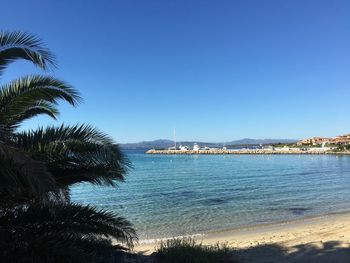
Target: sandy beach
318 239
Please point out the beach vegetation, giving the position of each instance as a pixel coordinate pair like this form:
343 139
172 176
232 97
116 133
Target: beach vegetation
188 250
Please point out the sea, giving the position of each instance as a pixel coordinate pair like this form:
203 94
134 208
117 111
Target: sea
168 196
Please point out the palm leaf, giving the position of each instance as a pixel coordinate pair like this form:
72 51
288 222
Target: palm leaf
61 233
19 45
69 219
23 178
105 166
76 154
19 97
38 108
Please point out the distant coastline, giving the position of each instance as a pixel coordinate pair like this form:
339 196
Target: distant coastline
316 145
164 144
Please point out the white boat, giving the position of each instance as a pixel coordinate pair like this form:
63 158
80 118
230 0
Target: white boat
196 147
184 148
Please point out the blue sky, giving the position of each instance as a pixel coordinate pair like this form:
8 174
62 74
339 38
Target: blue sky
215 70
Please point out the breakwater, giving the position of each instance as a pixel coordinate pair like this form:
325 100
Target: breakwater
245 151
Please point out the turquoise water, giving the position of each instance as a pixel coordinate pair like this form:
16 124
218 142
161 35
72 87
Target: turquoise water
174 195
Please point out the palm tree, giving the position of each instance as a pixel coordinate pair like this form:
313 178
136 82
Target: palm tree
38 223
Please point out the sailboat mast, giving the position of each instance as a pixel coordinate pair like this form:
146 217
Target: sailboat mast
175 137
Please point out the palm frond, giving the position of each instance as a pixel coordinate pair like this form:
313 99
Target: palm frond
22 177
61 233
105 166
38 108
21 95
20 45
65 136
69 219
75 154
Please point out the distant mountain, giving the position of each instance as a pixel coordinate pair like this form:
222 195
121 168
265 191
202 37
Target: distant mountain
158 144
248 141
162 144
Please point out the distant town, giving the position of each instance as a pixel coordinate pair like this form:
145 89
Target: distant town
338 140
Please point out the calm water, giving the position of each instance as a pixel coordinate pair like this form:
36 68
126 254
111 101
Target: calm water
167 196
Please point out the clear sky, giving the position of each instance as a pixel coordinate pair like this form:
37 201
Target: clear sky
215 70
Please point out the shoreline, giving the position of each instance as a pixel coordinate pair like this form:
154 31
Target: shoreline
319 229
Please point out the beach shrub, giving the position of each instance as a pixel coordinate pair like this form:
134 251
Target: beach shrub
38 222
187 250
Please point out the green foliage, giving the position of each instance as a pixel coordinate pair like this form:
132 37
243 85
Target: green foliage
29 96
38 223
23 178
187 250
343 147
59 232
20 45
24 230
74 154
